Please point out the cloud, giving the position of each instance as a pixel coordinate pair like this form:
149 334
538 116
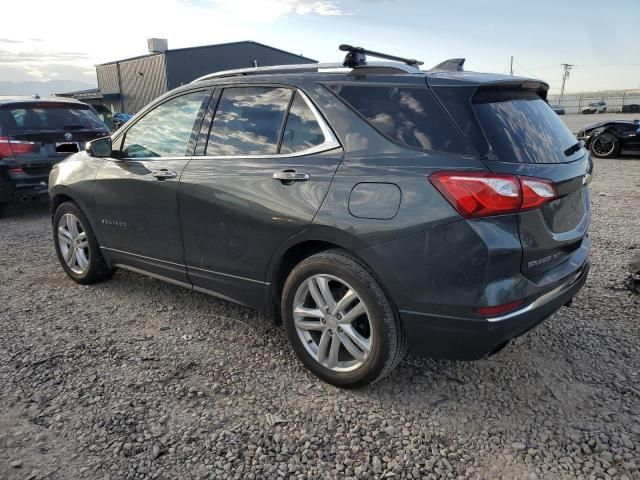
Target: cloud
233 19
271 9
321 7
47 72
8 40
8 57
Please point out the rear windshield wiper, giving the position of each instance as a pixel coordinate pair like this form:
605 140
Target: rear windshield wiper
574 148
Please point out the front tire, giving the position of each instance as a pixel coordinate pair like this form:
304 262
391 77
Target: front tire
340 321
3 208
76 246
605 145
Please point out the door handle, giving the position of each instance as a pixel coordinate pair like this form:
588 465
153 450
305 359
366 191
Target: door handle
164 174
290 176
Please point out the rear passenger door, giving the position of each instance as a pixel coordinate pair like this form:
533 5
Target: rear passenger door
266 166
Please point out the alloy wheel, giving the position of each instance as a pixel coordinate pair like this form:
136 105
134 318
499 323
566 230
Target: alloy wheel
73 243
603 146
332 322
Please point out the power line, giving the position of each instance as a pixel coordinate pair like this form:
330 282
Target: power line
522 66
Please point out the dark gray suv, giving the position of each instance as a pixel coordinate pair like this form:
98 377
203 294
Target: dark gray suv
372 210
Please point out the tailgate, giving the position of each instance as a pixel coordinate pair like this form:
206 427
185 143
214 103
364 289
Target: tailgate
527 138
36 152
552 232
515 132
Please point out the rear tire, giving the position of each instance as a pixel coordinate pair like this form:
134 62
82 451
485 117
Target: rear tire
76 246
3 208
605 145
363 322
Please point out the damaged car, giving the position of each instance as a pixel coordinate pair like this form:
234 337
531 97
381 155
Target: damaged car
611 138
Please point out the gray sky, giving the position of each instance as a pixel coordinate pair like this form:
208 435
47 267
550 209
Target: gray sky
64 41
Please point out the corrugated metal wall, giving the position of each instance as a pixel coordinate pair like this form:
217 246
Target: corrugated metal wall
108 78
142 80
184 65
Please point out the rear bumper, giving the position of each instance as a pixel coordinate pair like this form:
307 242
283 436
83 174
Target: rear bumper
30 191
459 338
586 139
24 189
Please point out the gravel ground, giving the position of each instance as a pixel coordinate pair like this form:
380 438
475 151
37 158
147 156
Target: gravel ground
134 378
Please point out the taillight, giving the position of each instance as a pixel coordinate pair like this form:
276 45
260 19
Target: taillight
536 192
5 148
10 147
498 309
482 194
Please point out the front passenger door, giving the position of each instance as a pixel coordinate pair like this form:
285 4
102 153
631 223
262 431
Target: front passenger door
137 192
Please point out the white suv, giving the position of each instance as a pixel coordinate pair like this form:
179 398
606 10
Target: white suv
596 107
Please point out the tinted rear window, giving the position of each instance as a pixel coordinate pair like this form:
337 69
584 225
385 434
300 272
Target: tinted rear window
49 116
409 116
522 128
302 131
248 121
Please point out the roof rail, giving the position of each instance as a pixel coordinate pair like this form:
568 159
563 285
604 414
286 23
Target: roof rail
310 67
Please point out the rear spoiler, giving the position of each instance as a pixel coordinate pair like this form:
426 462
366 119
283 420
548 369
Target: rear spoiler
535 86
484 81
451 65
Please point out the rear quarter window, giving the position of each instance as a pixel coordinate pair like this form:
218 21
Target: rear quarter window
411 117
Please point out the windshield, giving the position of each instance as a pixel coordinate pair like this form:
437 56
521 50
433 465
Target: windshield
522 128
30 117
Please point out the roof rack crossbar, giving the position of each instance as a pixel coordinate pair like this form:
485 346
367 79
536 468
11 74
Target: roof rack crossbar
309 67
357 57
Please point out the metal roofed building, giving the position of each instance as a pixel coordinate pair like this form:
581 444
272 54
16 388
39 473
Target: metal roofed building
128 85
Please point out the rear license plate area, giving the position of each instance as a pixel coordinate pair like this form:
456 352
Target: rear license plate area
67 147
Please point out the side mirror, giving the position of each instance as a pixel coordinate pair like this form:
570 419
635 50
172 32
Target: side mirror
101 147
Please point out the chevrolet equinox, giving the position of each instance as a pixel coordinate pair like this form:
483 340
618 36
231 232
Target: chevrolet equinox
373 210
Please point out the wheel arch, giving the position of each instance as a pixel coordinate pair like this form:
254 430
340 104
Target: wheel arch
283 266
57 200
296 250
60 195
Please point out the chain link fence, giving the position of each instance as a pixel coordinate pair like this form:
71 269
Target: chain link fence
616 101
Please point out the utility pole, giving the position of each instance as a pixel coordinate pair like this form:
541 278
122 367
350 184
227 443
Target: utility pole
565 74
511 67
